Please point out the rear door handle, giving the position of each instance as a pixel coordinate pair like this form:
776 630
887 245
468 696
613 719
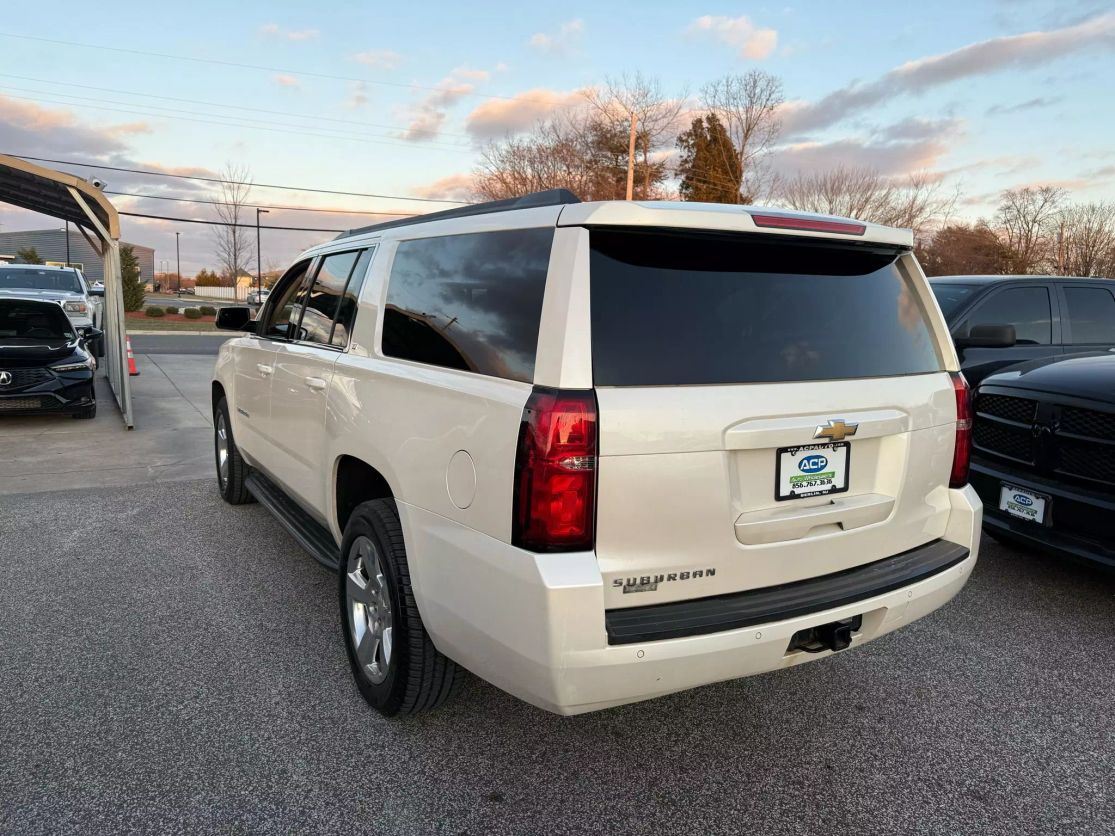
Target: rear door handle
315 383
264 369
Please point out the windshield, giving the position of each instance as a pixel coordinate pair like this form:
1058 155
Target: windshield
33 321
684 309
951 296
64 281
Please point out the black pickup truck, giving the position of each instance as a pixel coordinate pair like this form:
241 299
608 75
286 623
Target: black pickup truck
1043 455
999 320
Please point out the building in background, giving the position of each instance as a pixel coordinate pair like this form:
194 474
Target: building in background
50 244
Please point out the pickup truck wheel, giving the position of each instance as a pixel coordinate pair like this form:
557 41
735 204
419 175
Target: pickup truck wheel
396 666
231 467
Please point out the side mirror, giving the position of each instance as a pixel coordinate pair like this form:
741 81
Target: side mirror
235 319
96 291
988 336
91 333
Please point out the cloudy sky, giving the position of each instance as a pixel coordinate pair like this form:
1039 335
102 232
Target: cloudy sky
393 100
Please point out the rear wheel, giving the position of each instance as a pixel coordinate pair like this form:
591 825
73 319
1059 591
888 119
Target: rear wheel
231 467
396 666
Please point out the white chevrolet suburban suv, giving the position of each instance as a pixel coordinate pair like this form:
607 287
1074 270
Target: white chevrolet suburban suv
600 452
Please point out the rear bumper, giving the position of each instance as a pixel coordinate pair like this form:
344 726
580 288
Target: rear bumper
1078 527
534 624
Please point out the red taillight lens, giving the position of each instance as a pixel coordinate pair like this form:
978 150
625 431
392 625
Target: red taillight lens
962 453
808 224
555 472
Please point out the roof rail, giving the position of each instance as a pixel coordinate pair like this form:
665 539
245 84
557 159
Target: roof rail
550 197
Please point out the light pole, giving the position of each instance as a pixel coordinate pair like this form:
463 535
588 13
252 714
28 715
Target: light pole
178 272
67 243
259 256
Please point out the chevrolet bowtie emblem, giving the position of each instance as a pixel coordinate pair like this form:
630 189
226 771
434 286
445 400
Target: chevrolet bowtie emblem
836 430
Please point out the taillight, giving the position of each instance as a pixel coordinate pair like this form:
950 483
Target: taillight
962 452
555 472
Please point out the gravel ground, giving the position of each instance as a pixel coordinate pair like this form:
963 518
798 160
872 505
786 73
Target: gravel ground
174 665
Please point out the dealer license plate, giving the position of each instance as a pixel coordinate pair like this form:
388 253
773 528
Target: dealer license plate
812 470
1024 504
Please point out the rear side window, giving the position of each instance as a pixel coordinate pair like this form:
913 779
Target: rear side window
470 302
1026 308
1091 314
678 309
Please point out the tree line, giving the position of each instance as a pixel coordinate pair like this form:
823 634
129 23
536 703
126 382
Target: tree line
715 148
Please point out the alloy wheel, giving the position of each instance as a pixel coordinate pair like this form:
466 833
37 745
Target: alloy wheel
369 609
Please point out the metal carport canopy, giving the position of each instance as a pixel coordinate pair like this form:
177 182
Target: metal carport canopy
71 198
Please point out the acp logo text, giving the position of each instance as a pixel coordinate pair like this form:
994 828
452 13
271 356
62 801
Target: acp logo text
813 464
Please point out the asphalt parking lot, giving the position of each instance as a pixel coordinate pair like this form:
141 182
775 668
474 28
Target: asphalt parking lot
172 664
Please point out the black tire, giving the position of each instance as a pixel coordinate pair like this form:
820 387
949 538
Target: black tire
230 483
87 411
418 677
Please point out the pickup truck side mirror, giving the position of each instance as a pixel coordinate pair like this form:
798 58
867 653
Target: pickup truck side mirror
89 334
96 291
988 336
238 318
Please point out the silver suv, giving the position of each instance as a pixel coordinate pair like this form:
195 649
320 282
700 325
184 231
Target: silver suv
599 452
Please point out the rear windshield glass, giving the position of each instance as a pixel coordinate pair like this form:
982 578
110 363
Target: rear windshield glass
677 309
951 296
46 279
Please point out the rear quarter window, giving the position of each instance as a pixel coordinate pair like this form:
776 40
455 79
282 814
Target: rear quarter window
471 302
683 309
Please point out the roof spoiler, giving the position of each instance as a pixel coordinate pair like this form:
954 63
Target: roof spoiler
550 197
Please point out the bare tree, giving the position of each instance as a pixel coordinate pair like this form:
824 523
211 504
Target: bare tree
1027 220
917 202
638 104
234 243
748 106
575 151
1086 240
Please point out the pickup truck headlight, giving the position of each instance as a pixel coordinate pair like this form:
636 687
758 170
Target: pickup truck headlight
73 367
75 307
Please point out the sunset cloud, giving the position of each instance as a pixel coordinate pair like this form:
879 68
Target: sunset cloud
427 117
561 41
750 41
500 117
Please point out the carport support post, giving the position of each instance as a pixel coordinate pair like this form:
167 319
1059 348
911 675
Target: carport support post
115 333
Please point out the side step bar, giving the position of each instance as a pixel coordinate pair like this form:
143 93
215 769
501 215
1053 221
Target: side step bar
312 535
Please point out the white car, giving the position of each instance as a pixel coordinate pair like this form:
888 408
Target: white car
258 297
599 452
63 285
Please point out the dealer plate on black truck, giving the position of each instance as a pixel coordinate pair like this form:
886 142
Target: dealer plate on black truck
812 470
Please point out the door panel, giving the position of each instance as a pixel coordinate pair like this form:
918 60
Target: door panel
302 376
254 366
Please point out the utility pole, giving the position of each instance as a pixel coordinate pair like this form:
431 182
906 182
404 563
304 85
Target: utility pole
631 157
259 256
178 272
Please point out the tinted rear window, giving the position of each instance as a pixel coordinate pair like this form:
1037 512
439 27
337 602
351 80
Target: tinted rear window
951 296
470 302
678 309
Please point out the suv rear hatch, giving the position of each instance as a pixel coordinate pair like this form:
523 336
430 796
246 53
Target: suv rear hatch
717 361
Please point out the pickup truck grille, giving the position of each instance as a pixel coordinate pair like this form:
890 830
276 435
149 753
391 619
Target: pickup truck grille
1004 426
1047 437
25 378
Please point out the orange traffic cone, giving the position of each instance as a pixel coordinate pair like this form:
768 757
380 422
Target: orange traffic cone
132 370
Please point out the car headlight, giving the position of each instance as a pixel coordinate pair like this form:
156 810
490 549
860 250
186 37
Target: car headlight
75 307
73 367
